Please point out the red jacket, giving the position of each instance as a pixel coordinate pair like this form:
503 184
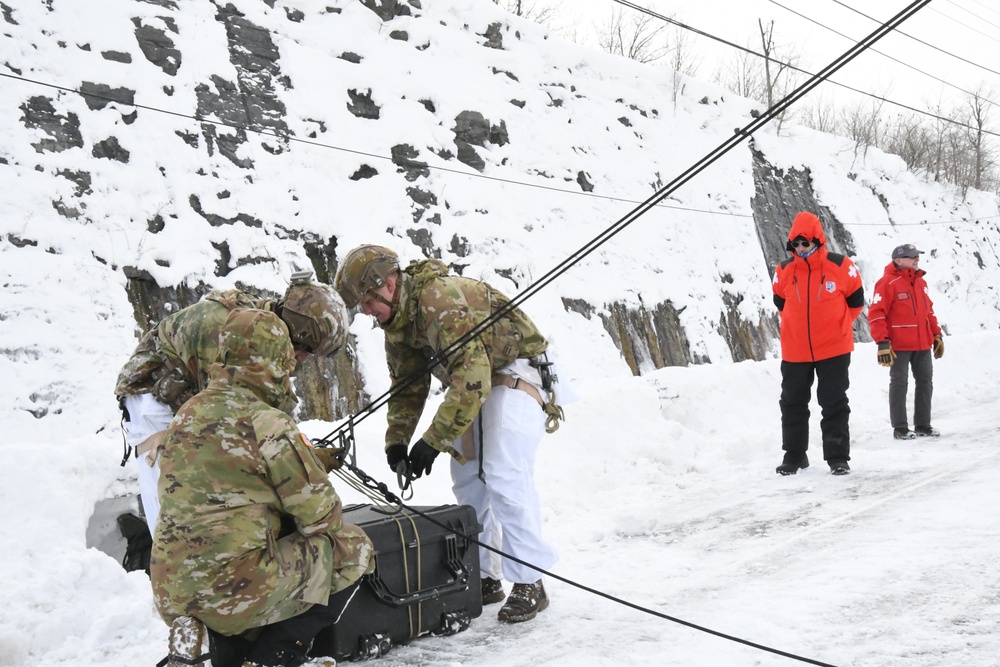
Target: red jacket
818 298
901 311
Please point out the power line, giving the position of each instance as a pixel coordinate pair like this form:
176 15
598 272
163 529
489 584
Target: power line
974 15
402 163
884 55
916 39
790 66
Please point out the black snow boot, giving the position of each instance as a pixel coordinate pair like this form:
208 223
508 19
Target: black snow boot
903 434
839 467
524 603
926 431
792 463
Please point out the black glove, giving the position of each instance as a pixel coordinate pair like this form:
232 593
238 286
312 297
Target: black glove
395 454
938 346
885 354
421 458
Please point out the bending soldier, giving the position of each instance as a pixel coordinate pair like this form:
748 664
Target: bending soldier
171 362
494 410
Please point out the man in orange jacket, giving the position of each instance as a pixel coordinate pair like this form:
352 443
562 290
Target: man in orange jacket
819 295
902 321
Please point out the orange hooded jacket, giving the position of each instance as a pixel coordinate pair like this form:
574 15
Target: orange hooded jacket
818 298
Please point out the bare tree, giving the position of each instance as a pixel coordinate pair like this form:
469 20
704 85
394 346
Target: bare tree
682 61
742 75
766 77
634 35
542 13
864 126
778 69
819 114
983 155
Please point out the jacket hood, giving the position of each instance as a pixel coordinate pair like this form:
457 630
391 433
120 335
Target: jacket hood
806 225
256 352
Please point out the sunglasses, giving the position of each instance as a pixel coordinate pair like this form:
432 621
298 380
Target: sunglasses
802 243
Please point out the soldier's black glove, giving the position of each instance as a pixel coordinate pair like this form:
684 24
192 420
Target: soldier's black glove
421 458
938 346
396 454
885 354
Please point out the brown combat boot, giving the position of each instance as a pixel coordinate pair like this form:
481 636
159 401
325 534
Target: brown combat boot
492 591
524 603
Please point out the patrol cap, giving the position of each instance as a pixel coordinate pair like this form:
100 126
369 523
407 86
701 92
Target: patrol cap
906 250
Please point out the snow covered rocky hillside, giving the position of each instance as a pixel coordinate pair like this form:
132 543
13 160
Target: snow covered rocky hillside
222 144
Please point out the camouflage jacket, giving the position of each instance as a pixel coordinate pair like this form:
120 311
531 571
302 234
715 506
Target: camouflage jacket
172 359
435 310
234 470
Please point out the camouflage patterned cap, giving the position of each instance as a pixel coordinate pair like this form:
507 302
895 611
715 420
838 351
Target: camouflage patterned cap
364 268
316 317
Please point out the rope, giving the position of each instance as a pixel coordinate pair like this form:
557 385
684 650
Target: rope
739 136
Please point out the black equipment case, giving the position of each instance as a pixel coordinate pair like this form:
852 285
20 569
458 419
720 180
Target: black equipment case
426 579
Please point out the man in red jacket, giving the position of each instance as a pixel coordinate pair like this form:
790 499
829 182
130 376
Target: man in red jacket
818 295
902 321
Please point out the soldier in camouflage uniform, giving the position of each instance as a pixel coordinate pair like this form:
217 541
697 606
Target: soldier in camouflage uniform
234 466
493 414
170 364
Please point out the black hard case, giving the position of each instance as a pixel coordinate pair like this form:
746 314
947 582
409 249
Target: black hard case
426 579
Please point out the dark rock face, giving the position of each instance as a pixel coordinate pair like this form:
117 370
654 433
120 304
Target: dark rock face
648 338
251 101
63 130
157 46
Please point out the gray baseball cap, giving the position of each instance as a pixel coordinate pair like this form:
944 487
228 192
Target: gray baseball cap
906 250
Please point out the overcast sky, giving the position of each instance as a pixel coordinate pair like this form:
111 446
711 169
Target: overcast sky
968 29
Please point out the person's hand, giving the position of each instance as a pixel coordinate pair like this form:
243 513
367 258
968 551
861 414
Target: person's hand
422 457
885 354
394 455
331 458
938 346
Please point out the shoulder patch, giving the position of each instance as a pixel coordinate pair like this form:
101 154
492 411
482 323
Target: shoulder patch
786 262
836 258
306 441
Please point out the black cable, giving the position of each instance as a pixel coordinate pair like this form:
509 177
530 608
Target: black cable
740 135
975 16
795 68
884 55
964 60
607 596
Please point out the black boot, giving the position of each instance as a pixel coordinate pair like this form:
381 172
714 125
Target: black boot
792 463
524 603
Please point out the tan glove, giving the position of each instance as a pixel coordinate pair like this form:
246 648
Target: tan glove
885 354
331 458
938 346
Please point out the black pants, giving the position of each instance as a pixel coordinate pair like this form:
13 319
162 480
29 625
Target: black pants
285 643
833 381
